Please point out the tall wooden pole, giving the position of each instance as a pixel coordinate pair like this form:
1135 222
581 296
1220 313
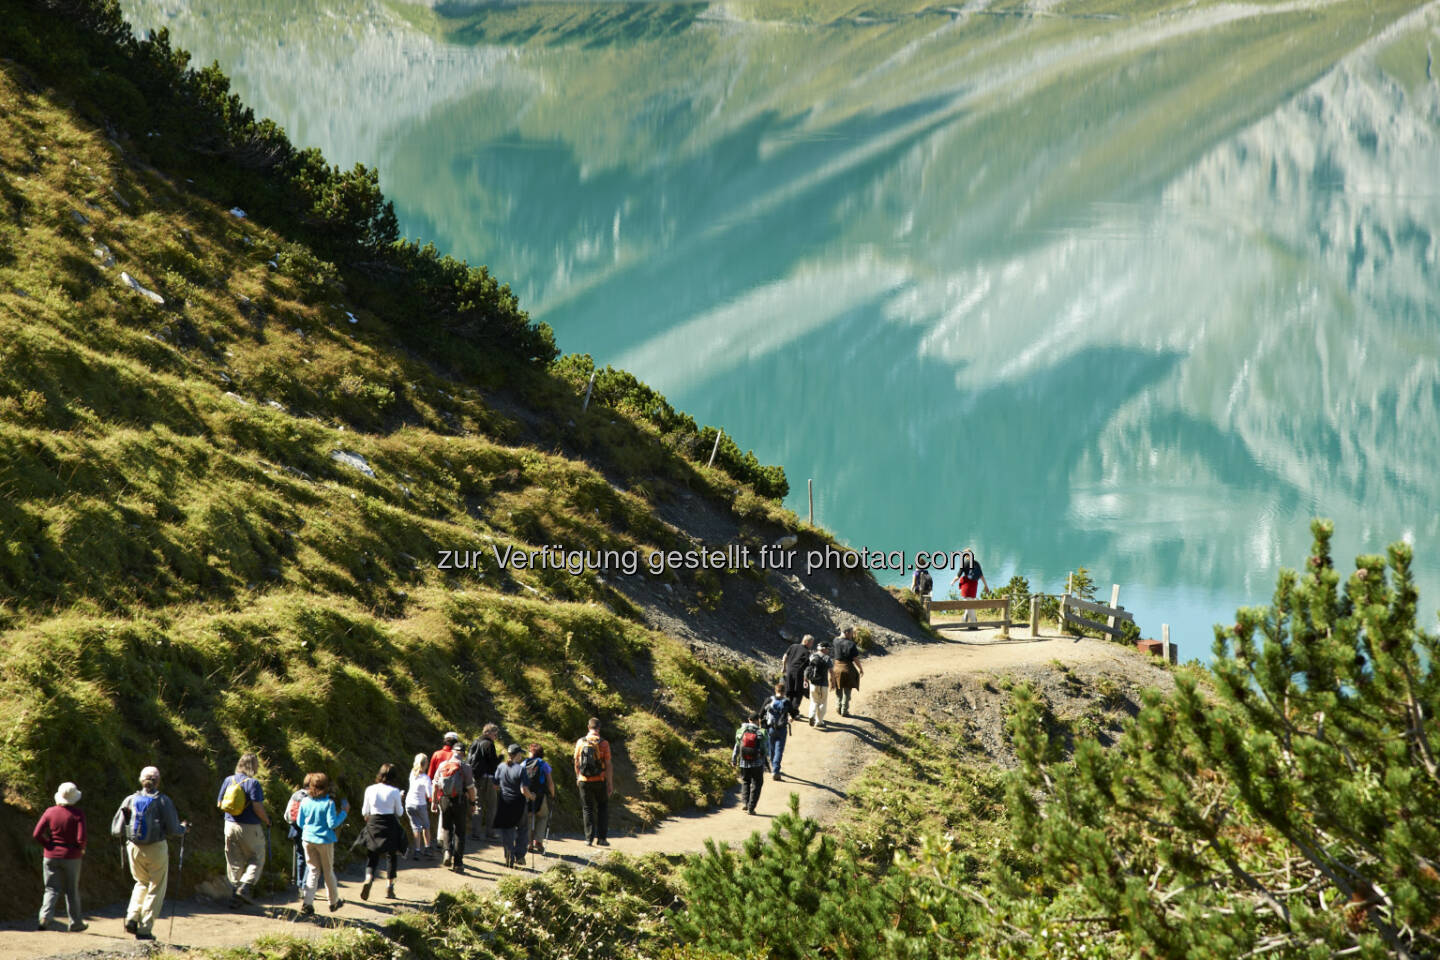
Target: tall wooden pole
810 486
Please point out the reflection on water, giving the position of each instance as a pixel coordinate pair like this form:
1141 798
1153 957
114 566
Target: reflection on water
1141 290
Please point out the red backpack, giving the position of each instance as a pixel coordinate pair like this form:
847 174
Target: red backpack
750 745
448 780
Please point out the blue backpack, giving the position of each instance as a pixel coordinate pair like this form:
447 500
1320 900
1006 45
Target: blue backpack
140 829
535 769
775 713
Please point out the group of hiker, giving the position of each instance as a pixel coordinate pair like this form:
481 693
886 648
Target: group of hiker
455 794
507 797
807 669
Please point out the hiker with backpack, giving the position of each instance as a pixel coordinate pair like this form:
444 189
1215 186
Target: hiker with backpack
845 677
247 824
512 808
752 756
451 796
483 759
542 784
817 678
792 671
147 819
595 778
292 833
384 811
60 831
775 718
921 583
321 813
452 747
417 809
968 578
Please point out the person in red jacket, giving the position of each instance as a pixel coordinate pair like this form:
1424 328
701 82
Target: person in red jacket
61 831
452 745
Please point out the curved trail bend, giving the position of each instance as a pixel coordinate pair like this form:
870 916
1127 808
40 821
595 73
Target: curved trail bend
817 766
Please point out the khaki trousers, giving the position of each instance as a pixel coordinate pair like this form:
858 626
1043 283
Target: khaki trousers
244 852
150 866
320 862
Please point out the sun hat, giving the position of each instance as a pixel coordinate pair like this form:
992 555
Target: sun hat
67 795
452 737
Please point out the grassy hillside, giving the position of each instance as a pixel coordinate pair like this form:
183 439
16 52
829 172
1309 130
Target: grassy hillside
229 464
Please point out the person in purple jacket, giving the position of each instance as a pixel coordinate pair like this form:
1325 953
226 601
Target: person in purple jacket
61 831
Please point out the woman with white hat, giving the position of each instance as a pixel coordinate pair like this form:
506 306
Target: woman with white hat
61 831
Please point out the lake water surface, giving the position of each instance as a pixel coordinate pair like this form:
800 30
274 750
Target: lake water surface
1141 287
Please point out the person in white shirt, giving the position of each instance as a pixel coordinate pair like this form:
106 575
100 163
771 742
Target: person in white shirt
384 812
417 808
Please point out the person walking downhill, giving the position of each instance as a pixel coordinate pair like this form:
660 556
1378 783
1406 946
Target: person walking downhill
60 831
595 778
775 718
817 676
792 671
483 758
247 824
417 809
512 810
542 784
845 678
321 813
384 811
451 796
147 819
752 756
967 579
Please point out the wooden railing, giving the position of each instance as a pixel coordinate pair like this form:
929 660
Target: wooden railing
1000 603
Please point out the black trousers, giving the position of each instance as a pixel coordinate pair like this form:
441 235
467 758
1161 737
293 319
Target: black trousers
372 861
595 801
454 822
751 779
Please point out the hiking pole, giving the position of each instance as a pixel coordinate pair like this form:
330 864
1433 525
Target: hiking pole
179 870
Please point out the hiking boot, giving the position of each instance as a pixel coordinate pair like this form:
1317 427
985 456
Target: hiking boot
365 888
601 841
130 926
390 890
336 904
144 935
775 775
306 910
540 849
445 861
244 892
43 925
812 721
589 841
234 902
458 867
79 926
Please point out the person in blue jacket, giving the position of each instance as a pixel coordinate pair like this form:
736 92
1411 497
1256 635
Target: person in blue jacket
321 813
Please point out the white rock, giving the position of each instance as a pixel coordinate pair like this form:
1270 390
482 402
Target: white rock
351 316
237 398
103 254
145 292
352 460
237 213
787 542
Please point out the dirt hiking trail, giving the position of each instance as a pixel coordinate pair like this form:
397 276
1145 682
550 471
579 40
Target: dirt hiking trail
817 765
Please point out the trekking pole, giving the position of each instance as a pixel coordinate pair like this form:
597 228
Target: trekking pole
179 870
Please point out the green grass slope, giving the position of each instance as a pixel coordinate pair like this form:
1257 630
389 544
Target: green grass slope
188 571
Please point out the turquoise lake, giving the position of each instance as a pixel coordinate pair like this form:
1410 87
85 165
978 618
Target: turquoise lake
1141 287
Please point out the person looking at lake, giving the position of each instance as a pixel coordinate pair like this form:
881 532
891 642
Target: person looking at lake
61 833
845 678
969 578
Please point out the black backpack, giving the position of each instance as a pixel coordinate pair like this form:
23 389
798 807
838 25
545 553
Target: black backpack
923 583
818 670
590 759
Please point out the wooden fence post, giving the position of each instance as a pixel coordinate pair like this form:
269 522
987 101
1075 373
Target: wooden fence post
590 387
1035 618
715 449
1166 650
1005 616
1114 602
809 486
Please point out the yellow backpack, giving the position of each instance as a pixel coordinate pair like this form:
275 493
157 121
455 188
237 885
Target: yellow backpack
234 800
